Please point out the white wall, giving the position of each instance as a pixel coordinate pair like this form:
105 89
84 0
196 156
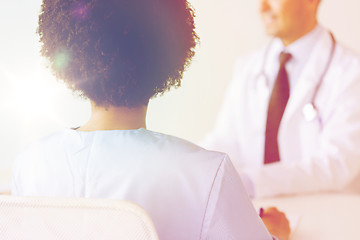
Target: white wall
33 104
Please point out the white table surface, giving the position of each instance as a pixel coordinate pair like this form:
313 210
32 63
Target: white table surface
320 216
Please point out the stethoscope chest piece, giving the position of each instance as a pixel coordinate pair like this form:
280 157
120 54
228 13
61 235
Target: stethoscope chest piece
309 112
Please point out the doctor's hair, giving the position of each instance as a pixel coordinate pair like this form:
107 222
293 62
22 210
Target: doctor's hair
118 52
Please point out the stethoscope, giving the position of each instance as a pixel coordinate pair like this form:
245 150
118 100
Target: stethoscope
309 111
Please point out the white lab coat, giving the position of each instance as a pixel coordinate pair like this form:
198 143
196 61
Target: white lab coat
189 192
318 155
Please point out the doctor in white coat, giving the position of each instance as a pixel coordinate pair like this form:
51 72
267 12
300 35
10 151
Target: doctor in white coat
318 137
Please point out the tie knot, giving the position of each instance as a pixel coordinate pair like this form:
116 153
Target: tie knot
284 58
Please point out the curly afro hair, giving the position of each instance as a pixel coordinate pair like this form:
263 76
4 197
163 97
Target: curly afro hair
118 52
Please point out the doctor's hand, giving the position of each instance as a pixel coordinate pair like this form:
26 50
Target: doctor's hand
276 223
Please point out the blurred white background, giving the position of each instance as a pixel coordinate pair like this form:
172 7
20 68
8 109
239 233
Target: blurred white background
33 104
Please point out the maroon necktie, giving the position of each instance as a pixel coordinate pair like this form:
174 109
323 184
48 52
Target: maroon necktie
278 100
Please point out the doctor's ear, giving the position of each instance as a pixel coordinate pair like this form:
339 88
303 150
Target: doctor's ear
313 4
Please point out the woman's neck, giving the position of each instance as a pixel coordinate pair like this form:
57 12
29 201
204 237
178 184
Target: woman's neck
115 118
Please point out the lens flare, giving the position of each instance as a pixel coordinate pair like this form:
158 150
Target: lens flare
61 60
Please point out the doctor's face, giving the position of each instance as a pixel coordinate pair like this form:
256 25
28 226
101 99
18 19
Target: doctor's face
287 19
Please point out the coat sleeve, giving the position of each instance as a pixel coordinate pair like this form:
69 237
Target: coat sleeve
230 213
223 136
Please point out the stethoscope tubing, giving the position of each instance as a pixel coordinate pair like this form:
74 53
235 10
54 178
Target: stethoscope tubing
330 58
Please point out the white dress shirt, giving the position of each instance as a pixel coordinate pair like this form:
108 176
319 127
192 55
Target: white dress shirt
299 51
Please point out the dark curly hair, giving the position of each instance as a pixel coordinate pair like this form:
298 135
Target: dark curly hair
118 52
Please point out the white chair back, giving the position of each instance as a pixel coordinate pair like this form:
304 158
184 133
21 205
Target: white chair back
35 218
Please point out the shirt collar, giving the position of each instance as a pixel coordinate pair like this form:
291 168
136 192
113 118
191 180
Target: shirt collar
300 51
301 48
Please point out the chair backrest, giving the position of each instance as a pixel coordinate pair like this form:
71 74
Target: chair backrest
28 218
